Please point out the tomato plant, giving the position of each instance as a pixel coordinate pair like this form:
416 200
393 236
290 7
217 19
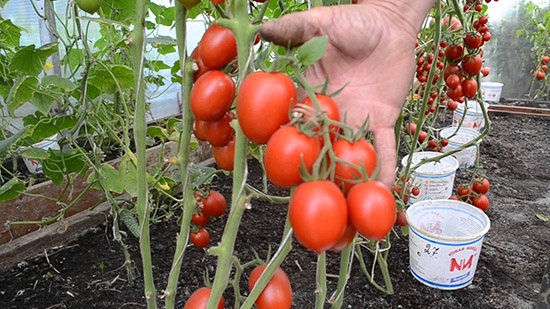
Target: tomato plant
318 214
200 238
199 299
372 209
278 291
212 95
287 151
214 204
263 104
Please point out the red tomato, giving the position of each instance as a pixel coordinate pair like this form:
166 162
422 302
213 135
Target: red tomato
422 136
463 191
469 88
401 219
472 64
452 69
318 214
415 191
199 299
212 95
452 105
540 75
455 94
201 68
200 218
201 238
199 130
410 128
329 108
455 23
452 81
217 47
545 59
481 202
214 204
225 155
352 158
346 239
481 186
485 71
278 291
263 104
453 53
454 198
473 40
372 209
287 151
219 132
217 2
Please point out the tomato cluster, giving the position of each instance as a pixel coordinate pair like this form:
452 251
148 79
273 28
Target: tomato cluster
475 193
542 68
213 205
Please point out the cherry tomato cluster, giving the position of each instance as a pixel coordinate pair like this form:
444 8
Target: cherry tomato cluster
475 194
403 199
213 205
433 144
542 68
213 93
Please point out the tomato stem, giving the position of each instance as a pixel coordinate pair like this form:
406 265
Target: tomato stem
321 276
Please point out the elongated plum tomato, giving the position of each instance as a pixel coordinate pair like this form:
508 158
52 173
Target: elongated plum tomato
318 214
329 108
89 6
212 95
219 132
217 47
286 152
201 68
199 299
372 209
225 155
278 291
346 238
352 158
263 104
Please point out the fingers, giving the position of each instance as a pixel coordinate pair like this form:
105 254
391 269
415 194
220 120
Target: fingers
384 143
295 29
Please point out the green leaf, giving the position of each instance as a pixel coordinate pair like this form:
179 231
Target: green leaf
155 131
157 65
127 174
5 144
163 15
11 34
43 101
30 61
543 218
46 125
121 10
35 154
106 79
59 82
20 93
312 50
11 189
111 179
165 49
62 163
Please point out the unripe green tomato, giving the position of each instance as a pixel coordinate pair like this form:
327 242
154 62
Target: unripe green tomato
89 6
189 4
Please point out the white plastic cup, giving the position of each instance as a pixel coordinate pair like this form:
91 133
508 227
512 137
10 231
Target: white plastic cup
474 115
457 137
34 166
490 91
445 239
434 179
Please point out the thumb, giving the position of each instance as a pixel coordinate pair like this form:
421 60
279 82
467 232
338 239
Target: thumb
296 28
384 143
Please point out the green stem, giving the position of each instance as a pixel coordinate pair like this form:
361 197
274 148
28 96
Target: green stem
346 258
183 157
140 132
321 276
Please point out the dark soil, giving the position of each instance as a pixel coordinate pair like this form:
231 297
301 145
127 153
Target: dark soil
515 156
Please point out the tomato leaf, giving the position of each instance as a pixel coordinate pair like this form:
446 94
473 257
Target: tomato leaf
312 50
11 189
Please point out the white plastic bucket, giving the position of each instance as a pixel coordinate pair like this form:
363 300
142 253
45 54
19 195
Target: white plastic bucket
457 137
445 239
34 166
474 115
490 91
434 179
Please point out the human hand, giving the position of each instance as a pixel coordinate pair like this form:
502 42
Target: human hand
370 52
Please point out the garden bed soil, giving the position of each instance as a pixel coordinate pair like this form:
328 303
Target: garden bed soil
90 272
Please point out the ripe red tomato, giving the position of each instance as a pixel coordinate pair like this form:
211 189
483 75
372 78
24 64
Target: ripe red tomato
329 108
452 105
540 75
473 40
469 88
287 151
453 53
422 136
545 59
212 95
217 47
263 104
199 299
452 69
225 155
199 130
214 204
346 239
485 71
472 64
481 186
352 158
372 209
481 202
318 214
278 291
201 68
219 132
463 191
401 219
410 128
415 191
199 218
452 81
455 94
201 238
487 36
